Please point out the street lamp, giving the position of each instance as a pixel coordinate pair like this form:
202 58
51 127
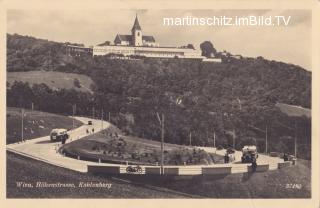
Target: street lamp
161 122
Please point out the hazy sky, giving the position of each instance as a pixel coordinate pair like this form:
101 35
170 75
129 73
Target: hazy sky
290 44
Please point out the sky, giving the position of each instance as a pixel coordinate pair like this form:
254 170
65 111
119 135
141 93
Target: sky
290 44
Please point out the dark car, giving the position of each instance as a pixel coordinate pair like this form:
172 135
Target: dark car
59 135
89 122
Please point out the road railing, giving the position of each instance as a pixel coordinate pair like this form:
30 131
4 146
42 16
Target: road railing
218 169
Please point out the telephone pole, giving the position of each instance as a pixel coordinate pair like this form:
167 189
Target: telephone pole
22 127
214 139
102 119
190 138
295 137
266 139
162 145
161 122
234 139
74 106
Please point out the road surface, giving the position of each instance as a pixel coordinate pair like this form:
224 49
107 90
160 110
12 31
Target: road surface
262 159
44 150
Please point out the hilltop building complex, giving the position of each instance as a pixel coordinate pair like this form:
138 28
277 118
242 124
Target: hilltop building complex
138 44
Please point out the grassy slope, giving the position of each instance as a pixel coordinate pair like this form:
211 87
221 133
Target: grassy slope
31 171
55 80
87 148
36 124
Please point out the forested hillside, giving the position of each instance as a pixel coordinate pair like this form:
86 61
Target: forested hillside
234 98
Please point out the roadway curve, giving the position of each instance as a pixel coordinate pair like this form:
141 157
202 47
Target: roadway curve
44 150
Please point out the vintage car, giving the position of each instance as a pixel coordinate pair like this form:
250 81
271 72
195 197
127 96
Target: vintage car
249 153
59 135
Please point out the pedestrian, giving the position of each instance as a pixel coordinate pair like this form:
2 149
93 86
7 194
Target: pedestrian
63 140
254 163
92 130
226 158
285 157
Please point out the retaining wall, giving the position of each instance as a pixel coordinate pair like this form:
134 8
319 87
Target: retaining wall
189 170
216 170
284 164
104 169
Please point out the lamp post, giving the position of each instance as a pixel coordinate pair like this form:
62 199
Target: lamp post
161 122
266 139
22 127
102 119
295 137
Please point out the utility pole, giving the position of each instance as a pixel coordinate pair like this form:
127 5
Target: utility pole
214 139
234 139
93 112
73 111
162 145
32 106
266 139
295 137
161 122
109 116
22 127
190 138
102 119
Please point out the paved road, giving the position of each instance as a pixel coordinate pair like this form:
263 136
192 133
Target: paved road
262 159
44 150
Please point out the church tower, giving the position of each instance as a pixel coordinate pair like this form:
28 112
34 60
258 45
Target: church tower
136 33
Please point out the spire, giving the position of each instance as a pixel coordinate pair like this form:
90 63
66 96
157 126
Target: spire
136 25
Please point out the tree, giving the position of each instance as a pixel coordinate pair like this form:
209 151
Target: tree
190 46
207 49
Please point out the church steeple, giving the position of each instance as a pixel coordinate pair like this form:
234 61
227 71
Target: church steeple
136 33
136 25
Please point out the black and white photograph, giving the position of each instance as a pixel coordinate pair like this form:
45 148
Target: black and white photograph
159 103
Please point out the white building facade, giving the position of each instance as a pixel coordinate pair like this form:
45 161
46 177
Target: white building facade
155 52
137 44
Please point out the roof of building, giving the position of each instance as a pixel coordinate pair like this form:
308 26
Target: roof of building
125 37
104 43
136 25
147 38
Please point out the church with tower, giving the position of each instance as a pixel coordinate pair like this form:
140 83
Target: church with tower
136 38
138 44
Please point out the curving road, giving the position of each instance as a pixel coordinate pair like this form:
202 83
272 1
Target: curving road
44 150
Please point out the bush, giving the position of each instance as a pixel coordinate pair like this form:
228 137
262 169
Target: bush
220 147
